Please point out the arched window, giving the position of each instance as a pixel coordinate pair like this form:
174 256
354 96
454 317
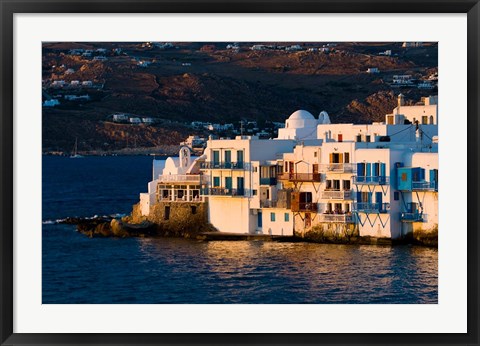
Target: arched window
431 120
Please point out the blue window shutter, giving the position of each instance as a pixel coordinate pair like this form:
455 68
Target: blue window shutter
359 196
370 197
383 169
375 169
432 175
360 169
378 197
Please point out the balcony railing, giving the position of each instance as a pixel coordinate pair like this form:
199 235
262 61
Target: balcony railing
338 167
194 178
424 186
371 180
315 177
181 199
225 165
268 181
338 218
268 204
412 217
371 207
220 191
334 194
306 207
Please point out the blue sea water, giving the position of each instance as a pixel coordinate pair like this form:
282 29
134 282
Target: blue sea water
80 270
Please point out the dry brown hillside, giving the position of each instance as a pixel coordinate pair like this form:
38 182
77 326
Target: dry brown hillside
207 82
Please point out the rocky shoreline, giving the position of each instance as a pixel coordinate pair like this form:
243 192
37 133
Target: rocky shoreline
106 226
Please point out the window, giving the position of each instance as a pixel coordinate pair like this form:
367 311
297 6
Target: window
346 184
315 154
228 156
228 182
347 157
272 217
216 157
396 196
194 209
287 217
340 137
336 185
254 169
367 138
166 216
338 208
424 120
390 119
404 176
336 158
255 192
216 181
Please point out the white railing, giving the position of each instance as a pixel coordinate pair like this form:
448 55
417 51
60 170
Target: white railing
181 199
338 167
194 178
332 194
340 218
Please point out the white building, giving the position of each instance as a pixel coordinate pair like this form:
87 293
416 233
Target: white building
378 180
301 125
134 120
176 181
120 117
148 120
425 113
373 70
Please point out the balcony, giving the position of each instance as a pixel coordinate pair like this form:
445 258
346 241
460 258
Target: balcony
412 217
371 180
336 194
306 207
337 168
424 186
337 218
220 191
268 204
313 177
225 165
363 207
268 181
183 178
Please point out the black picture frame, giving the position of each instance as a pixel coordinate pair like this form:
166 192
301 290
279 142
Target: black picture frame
7 175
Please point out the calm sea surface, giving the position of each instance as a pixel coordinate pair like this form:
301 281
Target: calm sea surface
79 270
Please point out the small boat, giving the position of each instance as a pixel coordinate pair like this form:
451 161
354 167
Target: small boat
75 154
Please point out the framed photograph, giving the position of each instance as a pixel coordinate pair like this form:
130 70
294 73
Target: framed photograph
239 173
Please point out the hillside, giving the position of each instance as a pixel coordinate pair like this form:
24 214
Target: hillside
175 85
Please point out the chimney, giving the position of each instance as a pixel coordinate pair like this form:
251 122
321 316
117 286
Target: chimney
401 100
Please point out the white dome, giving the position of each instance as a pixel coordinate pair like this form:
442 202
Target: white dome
301 115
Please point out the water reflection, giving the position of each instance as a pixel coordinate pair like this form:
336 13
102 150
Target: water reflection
270 272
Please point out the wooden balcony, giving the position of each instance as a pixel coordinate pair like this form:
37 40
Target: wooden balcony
307 177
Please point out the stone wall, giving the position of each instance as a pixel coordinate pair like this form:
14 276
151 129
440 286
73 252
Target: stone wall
427 237
330 232
184 219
